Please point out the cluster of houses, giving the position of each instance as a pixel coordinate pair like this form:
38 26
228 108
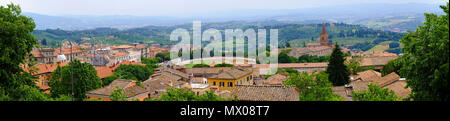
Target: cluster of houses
242 81
105 58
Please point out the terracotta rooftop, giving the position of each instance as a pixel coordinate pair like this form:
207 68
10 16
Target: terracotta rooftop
296 52
368 75
44 68
233 73
391 81
103 71
276 79
377 60
173 71
266 93
128 87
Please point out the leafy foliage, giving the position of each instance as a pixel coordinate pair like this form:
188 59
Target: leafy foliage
375 93
118 95
133 72
84 79
16 43
314 87
337 70
186 95
392 66
223 65
426 62
202 65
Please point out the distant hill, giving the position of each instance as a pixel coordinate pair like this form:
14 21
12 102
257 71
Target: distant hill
378 16
355 36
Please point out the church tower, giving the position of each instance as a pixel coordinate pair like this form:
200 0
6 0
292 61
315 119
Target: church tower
324 37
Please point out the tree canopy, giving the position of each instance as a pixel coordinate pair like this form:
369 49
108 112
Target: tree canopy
186 95
375 93
16 43
84 79
426 58
133 72
223 65
314 87
337 70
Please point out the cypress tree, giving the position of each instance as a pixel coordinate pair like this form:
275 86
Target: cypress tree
337 70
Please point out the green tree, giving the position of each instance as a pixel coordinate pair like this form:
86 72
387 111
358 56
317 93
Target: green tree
223 65
15 46
84 79
426 58
16 43
337 70
163 56
133 72
314 87
392 66
107 80
118 95
186 95
202 65
375 93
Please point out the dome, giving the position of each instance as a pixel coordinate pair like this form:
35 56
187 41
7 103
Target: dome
60 57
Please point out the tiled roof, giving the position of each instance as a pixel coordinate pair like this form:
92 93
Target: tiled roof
276 79
172 71
341 91
122 47
377 61
399 88
103 71
266 93
368 75
233 73
384 54
128 87
44 68
391 81
296 52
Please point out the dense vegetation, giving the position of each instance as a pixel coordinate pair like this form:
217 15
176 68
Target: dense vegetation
16 43
134 72
292 35
186 95
337 70
84 79
283 57
314 87
426 60
375 93
223 65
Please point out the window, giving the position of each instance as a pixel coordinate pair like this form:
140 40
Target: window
222 84
214 83
230 84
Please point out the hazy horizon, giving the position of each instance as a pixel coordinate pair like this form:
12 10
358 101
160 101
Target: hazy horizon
180 7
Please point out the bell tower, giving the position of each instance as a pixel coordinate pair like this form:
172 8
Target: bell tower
324 37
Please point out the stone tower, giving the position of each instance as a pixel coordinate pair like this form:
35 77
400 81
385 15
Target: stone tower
324 37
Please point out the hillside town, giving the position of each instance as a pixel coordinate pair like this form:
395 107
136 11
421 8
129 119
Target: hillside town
242 82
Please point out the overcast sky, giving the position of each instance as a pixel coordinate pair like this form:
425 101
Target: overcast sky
176 7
